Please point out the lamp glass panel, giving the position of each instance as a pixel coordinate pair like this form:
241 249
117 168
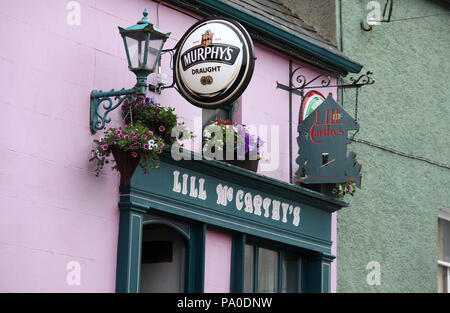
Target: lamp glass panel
136 51
154 49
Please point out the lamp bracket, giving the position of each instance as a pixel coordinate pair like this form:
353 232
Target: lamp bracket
111 100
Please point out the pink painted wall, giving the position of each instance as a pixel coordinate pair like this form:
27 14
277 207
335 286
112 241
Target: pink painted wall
217 261
53 208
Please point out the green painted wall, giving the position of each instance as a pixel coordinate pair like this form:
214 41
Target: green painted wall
393 218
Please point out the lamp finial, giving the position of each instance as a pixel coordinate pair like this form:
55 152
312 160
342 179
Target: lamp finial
144 19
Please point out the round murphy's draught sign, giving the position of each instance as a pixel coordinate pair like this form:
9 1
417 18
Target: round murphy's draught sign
214 62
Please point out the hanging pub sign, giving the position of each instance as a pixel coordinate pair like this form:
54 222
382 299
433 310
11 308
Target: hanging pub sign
322 140
214 62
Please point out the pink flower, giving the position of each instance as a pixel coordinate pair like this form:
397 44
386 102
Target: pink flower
118 131
145 172
120 135
127 136
162 144
105 147
132 147
134 138
159 151
132 133
133 154
161 128
146 146
150 132
115 142
144 136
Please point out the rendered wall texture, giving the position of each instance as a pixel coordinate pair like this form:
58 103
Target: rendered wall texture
393 218
320 14
217 261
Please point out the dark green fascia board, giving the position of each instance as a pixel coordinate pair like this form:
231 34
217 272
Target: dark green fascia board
297 42
222 169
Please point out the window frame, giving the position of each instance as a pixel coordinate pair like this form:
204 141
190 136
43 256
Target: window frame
444 214
281 250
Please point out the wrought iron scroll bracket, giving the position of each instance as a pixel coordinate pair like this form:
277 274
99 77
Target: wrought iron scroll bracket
303 84
111 100
300 84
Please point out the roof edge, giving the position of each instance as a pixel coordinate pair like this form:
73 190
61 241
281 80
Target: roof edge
288 41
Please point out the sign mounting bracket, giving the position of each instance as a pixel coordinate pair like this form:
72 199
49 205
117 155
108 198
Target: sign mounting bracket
303 84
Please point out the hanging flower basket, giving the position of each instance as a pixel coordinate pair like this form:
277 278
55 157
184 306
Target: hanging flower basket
126 163
251 165
130 146
239 136
152 115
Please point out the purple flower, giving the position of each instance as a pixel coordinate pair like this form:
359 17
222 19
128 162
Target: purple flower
133 154
105 147
161 128
259 142
151 101
349 188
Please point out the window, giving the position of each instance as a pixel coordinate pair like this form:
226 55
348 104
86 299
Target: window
269 270
444 250
163 260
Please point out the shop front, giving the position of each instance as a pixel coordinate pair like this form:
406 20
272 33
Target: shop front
267 235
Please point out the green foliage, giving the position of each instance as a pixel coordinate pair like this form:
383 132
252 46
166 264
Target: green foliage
151 114
340 190
239 132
